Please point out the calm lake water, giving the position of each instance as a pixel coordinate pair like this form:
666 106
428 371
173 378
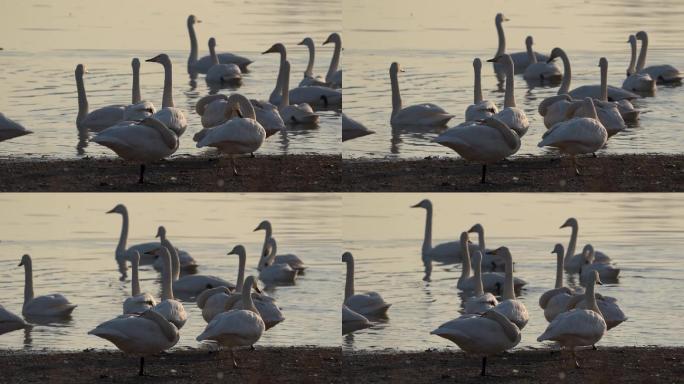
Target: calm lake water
43 42
72 242
436 42
641 232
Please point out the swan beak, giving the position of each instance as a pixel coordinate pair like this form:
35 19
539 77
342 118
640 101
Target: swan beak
198 21
152 60
492 60
416 206
20 263
110 211
506 19
326 41
301 43
270 50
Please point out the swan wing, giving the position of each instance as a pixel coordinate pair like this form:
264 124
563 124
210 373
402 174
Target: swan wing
577 327
133 141
103 118
234 328
173 118
236 136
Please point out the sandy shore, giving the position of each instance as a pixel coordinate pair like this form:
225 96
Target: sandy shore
607 365
287 365
290 173
612 173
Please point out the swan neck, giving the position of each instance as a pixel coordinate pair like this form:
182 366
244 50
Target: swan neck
501 49
481 240
465 252
214 57
135 283
334 62
241 270
396 95
312 56
167 284
121 247
479 288
136 86
167 97
559 270
509 289
573 243
28 282
530 54
509 99
567 75
349 284
427 237
82 99
604 83
510 137
192 59
264 248
632 59
279 80
590 298
247 302
285 89
477 93
642 54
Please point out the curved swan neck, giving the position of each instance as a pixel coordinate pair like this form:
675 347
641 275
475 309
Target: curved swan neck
642 54
334 62
247 302
121 247
632 59
167 97
82 99
573 243
604 81
481 239
241 270
28 281
279 81
192 59
559 269
167 285
465 271
212 52
567 74
530 53
396 94
590 298
477 92
349 284
312 56
285 89
510 137
427 238
477 267
509 288
136 85
135 283
264 248
509 98
501 49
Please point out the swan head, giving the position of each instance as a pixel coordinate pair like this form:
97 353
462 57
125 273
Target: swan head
162 58
464 238
632 39
25 260
135 63
558 249
395 68
588 253
500 18
571 222
212 43
120 209
504 252
477 228
238 250
529 41
477 63
307 41
641 35
333 38
264 225
603 62
161 232
80 70
250 282
192 19
347 257
556 52
425 203
275 48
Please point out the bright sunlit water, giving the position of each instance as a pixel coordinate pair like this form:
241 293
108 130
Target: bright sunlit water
43 42
641 232
72 242
435 42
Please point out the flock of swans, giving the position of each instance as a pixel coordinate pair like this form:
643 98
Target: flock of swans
234 125
492 317
237 314
579 121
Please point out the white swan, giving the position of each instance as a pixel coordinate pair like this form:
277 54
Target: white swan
418 115
579 135
190 285
553 108
239 135
662 74
53 305
484 142
540 71
490 262
595 92
572 263
481 335
171 309
138 302
480 302
185 262
352 129
174 118
213 110
139 335
578 327
202 65
309 77
613 114
520 59
268 116
147 141
510 307
121 252
272 273
366 304
494 282
352 321
334 75
98 119
314 95
555 301
221 73
480 109
10 322
300 113
291 259
138 109
238 327
9 129
610 310
606 271
513 116
635 81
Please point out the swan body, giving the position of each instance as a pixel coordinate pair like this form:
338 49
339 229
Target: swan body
540 71
334 76
610 310
352 129
271 272
298 113
606 270
594 91
172 310
205 63
481 335
481 301
220 73
514 117
292 260
418 115
480 109
366 304
352 321
53 305
635 81
98 119
520 59
172 117
268 116
9 321
510 307
556 300
309 77
138 302
9 129
662 74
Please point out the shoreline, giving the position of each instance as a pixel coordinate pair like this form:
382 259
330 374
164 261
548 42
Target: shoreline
267 173
607 173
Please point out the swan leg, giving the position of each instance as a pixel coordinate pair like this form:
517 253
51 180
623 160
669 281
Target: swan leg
142 174
574 358
253 155
232 163
232 356
142 366
484 173
252 347
594 347
574 165
484 366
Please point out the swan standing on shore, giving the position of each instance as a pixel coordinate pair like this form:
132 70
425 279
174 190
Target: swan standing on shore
138 302
98 119
520 59
334 76
481 335
510 114
291 259
578 327
366 304
556 300
484 142
480 109
352 129
272 273
202 65
171 309
53 305
300 113
635 81
418 115
494 282
221 73
172 117
480 302
510 307
539 71
579 135
309 77
139 335
138 109
9 129
238 327
662 74
10 322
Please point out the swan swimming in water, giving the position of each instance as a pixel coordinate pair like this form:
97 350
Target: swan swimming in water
221 74
172 117
635 81
300 113
572 263
554 108
662 74
352 321
366 304
9 129
540 71
480 109
309 77
520 59
273 273
53 305
10 322
138 302
606 271
481 301
291 259
202 65
138 109
334 76
494 282
352 129
556 300
98 119
418 115
490 262
185 261
514 117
